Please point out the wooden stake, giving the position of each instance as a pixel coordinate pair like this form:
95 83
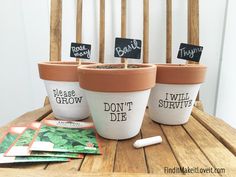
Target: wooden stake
126 63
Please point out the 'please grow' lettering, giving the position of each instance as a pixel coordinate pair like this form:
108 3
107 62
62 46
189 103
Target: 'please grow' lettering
118 111
66 97
175 101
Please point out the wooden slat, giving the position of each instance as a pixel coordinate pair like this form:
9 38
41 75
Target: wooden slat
145 30
46 101
199 105
79 22
123 22
168 31
185 150
157 156
28 117
54 173
193 26
217 153
129 159
72 165
221 130
101 163
102 32
193 23
55 30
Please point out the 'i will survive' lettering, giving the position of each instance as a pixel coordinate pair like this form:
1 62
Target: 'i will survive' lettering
66 97
175 101
118 111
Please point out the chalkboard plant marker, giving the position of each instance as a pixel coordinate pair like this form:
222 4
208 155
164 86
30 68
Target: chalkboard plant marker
117 97
172 99
127 48
80 50
63 89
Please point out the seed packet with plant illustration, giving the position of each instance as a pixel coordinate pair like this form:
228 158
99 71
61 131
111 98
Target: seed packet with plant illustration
9 137
66 136
20 147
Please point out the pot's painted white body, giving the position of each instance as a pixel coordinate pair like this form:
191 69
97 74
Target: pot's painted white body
117 115
172 104
67 100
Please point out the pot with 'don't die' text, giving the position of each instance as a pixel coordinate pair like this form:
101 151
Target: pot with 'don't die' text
172 99
65 95
117 97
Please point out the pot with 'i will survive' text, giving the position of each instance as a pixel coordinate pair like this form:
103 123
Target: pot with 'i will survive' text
172 99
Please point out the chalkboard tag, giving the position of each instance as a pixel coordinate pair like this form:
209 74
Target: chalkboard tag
128 48
79 50
190 52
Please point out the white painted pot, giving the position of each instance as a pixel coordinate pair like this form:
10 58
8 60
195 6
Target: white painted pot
63 89
117 97
172 99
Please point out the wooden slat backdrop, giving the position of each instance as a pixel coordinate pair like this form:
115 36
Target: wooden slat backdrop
55 30
56 19
102 31
193 23
123 22
145 30
168 31
79 22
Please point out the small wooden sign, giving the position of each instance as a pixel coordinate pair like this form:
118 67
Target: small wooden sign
79 50
190 52
128 48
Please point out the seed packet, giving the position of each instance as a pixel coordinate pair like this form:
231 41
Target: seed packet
66 136
20 147
9 137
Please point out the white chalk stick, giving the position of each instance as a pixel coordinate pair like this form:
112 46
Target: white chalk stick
147 141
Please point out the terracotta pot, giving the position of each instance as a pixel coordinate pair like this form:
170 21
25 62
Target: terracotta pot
61 80
117 97
172 99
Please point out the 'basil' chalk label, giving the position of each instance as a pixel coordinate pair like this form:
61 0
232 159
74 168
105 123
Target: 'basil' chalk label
80 50
128 48
190 52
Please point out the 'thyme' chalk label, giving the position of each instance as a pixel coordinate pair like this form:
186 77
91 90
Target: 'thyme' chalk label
128 48
80 50
190 52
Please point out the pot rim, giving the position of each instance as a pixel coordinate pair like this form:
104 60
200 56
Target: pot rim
180 73
60 70
117 79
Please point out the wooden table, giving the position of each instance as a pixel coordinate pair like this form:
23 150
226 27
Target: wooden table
205 142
